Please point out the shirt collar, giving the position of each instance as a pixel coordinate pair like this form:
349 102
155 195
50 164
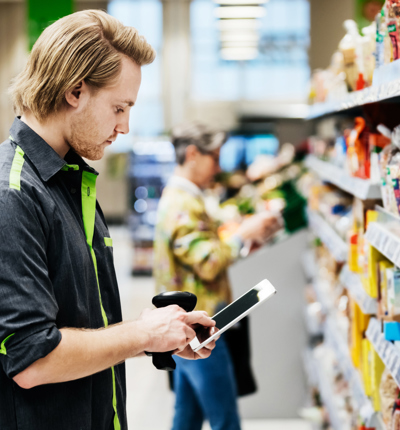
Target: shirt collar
185 184
41 154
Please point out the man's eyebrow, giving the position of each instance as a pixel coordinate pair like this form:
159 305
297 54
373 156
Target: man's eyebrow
128 102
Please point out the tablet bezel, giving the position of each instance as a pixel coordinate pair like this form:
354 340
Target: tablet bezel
267 290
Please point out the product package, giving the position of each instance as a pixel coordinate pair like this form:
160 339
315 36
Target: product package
358 150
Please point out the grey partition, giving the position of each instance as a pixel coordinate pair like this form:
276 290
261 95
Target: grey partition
278 333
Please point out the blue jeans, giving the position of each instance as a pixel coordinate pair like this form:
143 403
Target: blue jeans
206 389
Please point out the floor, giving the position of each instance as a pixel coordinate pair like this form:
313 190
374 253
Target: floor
150 403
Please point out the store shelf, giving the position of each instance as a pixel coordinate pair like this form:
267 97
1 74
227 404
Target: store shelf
336 245
332 336
386 350
327 395
386 74
352 376
377 93
323 293
352 281
363 189
385 241
309 367
309 264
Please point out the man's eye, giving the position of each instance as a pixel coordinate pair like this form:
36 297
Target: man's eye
119 110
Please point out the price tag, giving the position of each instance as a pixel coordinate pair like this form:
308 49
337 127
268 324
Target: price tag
370 235
386 353
396 372
383 242
392 249
377 339
393 362
381 345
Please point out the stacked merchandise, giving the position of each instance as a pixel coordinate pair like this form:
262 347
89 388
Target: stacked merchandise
269 184
353 147
354 297
359 55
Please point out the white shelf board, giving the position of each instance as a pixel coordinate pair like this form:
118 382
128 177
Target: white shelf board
336 245
361 188
332 335
322 291
352 281
387 73
374 94
386 350
328 396
309 264
385 241
352 376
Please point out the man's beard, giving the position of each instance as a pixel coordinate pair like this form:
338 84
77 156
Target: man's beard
83 132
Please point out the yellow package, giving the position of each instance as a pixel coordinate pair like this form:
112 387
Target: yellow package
374 258
356 333
383 310
366 365
377 368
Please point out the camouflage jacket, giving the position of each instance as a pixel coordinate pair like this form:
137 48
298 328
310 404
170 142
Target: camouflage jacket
188 254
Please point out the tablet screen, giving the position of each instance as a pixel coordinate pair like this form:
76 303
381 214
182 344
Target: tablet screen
236 310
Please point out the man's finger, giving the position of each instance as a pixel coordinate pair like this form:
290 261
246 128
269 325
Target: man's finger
198 317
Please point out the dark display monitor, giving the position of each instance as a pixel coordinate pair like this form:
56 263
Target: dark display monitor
240 150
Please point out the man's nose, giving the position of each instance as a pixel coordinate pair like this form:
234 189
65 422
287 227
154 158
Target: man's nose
123 125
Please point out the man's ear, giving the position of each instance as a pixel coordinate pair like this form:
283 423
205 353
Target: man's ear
75 95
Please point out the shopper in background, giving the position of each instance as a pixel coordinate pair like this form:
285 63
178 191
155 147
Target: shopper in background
189 256
62 341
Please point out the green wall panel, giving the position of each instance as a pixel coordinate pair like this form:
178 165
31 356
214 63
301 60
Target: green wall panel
42 13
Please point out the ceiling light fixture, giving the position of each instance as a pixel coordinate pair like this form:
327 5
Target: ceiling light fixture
239 44
230 12
239 24
239 53
248 36
240 2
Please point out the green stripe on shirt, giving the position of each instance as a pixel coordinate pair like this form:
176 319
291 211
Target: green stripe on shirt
3 346
16 169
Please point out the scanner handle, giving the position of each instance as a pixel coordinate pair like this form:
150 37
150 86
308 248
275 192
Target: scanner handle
187 301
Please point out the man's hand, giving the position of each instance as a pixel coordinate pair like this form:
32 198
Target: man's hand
172 329
189 354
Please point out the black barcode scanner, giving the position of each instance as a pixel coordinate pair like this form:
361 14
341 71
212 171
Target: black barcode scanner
187 301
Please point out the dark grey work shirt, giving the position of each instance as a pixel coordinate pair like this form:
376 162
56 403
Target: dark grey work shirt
47 282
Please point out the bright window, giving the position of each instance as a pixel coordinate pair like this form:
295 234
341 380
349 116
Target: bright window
280 72
147 115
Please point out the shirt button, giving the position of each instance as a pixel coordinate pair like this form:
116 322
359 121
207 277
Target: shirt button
73 190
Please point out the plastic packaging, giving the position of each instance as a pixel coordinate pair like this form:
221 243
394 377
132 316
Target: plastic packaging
347 47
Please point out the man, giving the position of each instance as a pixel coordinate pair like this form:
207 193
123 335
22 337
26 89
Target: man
62 342
190 256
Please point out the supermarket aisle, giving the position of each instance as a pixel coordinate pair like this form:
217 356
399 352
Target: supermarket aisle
150 403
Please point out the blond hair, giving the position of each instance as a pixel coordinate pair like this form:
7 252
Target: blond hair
85 46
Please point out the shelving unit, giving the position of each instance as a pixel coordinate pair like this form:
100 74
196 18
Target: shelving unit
363 189
362 402
353 284
383 89
381 105
386 350
336 245
323 295
385 241
327 395
309 265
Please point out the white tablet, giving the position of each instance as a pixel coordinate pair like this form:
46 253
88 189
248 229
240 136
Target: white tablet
233 313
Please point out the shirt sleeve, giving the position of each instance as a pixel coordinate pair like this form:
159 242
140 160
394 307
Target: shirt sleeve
28 306
201 249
